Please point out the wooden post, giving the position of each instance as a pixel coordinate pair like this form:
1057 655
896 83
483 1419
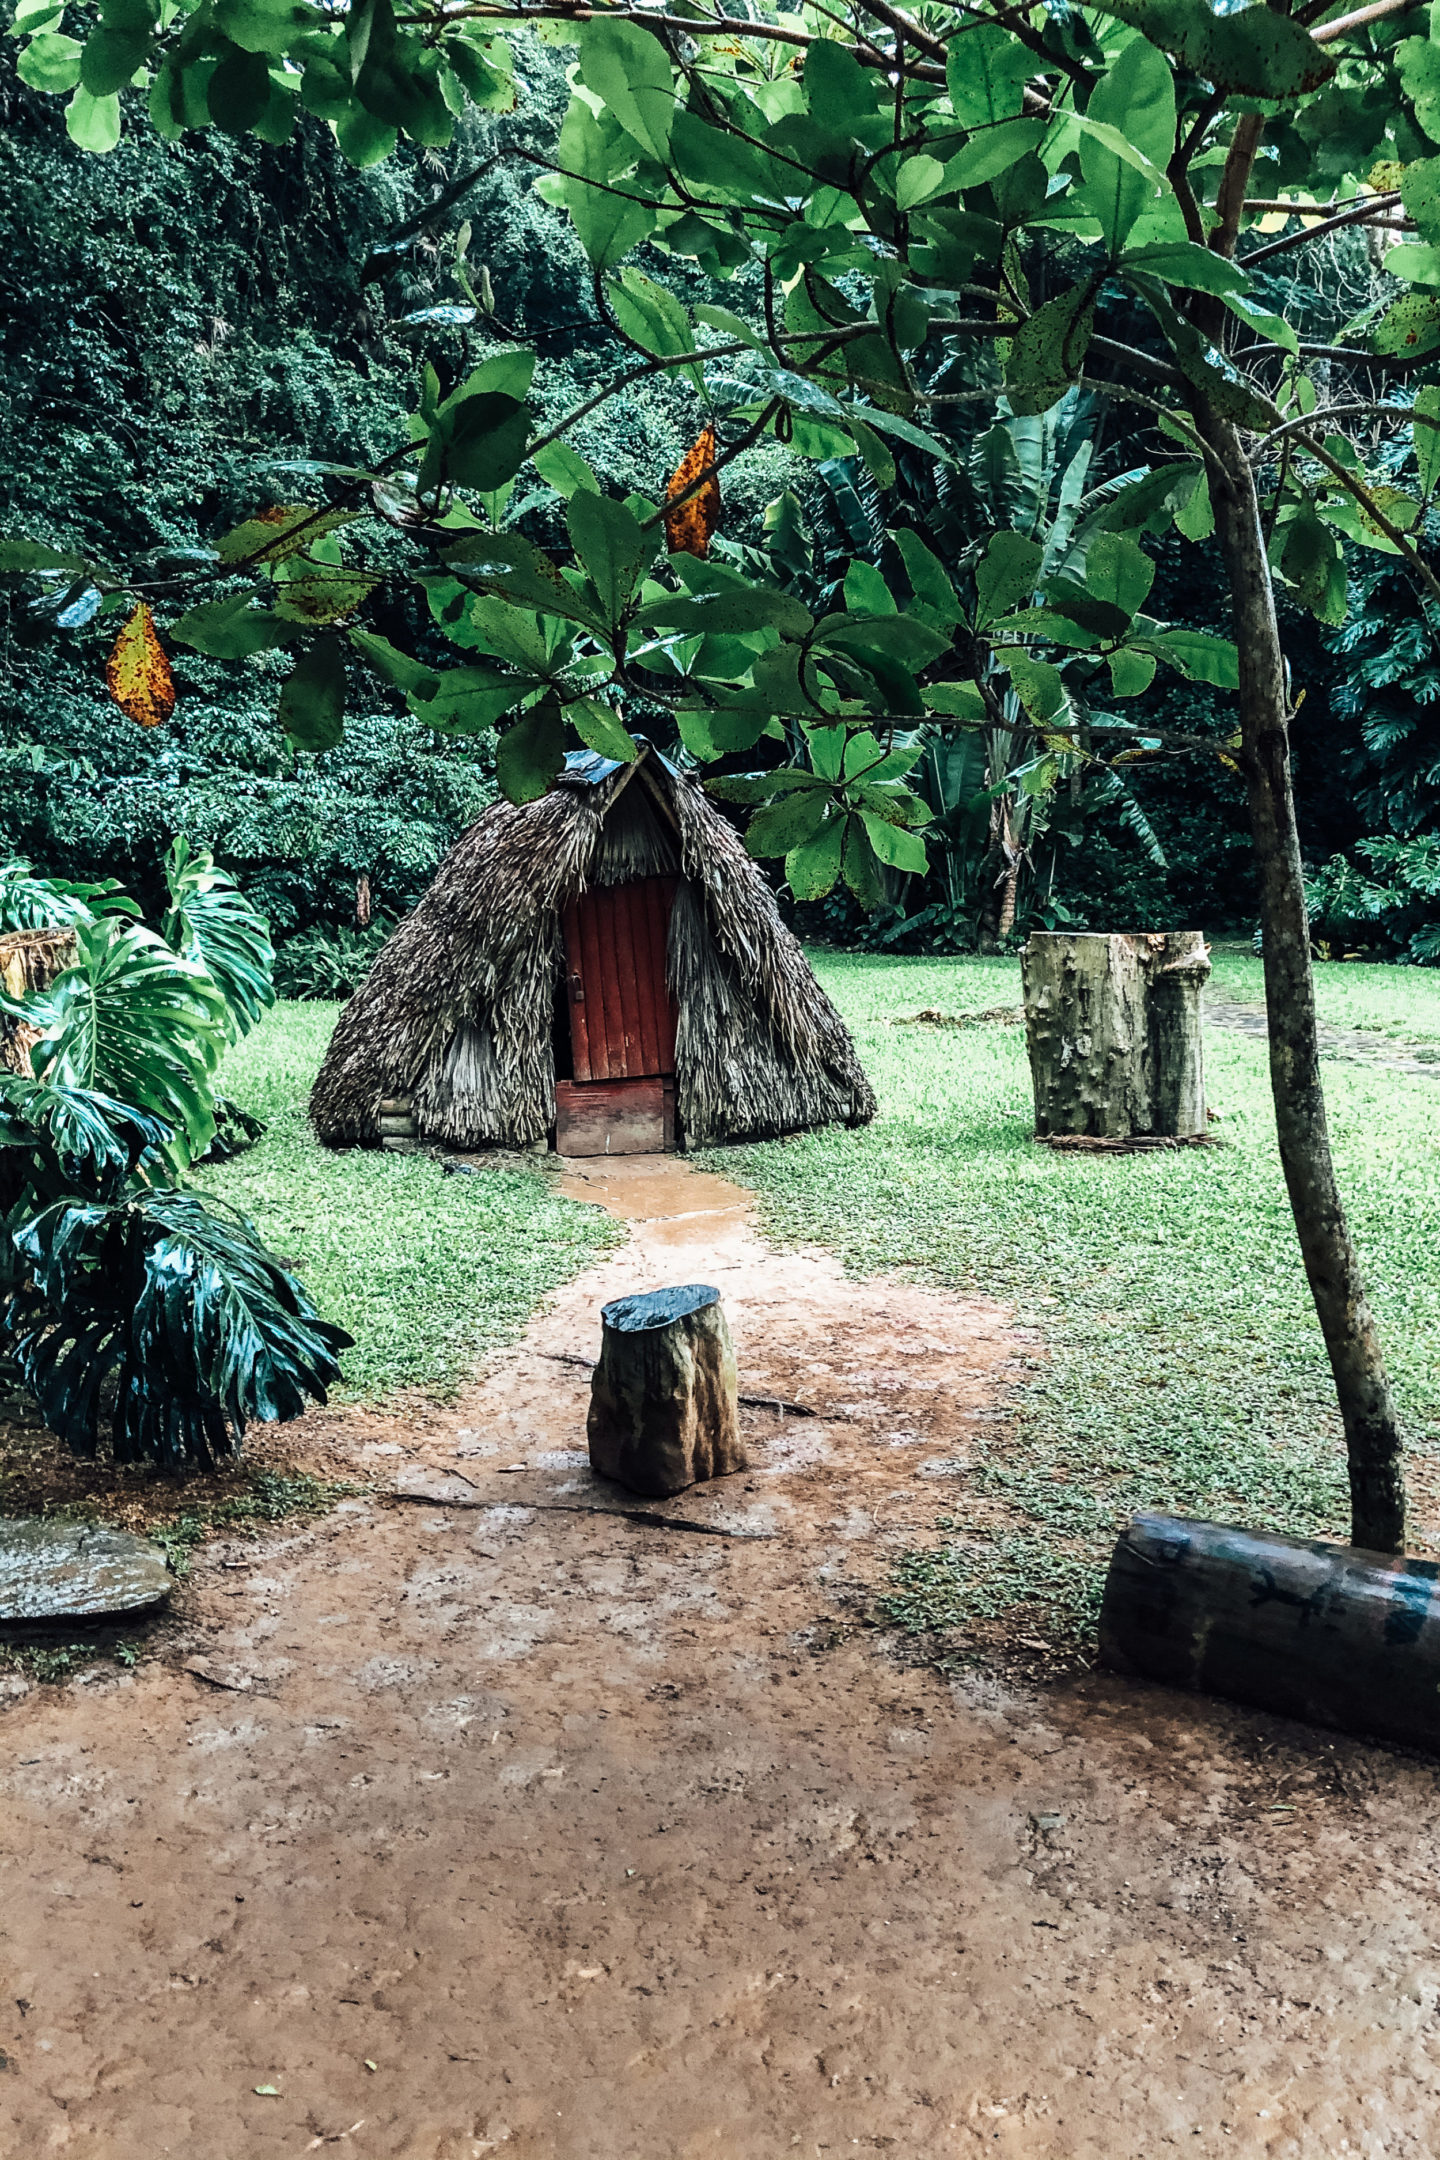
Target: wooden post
664 1409
1113 1026
1328 1633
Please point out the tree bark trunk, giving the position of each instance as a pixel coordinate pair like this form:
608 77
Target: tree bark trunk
1372 1433
1113 1029
1325 1632
664 1406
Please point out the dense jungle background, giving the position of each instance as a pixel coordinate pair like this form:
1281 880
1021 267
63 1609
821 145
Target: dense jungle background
185 326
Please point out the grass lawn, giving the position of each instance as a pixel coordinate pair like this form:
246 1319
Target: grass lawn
1179 1363
427 1272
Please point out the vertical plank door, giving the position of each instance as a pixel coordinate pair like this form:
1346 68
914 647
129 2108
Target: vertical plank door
622 1019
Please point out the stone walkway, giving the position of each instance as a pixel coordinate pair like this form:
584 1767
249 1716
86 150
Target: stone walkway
1358 1046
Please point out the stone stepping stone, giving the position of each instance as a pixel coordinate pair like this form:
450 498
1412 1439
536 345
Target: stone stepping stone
60 1570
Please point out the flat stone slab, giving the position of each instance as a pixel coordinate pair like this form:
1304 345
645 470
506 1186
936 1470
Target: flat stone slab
60 1570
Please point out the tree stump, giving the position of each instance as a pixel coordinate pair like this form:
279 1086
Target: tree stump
1328 1633
1113 1027
664 1408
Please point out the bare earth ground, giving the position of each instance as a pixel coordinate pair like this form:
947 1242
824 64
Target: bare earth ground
525 1826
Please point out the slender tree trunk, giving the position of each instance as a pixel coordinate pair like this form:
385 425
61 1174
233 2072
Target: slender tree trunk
1372 1432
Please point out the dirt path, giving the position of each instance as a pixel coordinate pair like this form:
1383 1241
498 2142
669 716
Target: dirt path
554 1833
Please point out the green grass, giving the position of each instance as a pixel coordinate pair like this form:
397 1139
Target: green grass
1179 1365
1396 1001
427 1272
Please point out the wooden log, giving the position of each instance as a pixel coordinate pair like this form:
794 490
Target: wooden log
1113 1029
664 1411
1328 1633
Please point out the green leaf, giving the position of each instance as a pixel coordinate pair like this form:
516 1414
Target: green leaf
902 850
466 701
840 94
1313 563
1048 351
564 469
111 58
1420 181
395 667
866 591
1196 654
600 728
986 71
988 154
630 70
231 629
1255 51
917 180
211 922
93 123
312 701
1006 575
787 824
478 443
531 754
1411 327
609 542
1185 262
929 581
1131 672
239 90
1037 685
811 870
1137 95
50 62
654 318
1196 516
263 26
1118 572
1427 437
17 556
858 865
710 733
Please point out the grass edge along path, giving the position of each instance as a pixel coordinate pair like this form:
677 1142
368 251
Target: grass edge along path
1179 1364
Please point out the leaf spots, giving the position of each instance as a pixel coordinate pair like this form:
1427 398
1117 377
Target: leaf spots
137 673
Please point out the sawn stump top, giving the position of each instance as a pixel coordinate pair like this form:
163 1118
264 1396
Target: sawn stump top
658 1308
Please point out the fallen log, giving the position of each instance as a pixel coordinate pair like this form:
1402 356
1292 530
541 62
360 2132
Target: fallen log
1328 1633
663 1408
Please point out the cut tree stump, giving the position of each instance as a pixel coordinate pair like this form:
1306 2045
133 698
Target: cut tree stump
1113 1028
664 1410
1323 1632
59 1570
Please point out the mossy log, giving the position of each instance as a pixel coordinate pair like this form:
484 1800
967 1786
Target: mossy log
1328 1633
1113 1029
664 1405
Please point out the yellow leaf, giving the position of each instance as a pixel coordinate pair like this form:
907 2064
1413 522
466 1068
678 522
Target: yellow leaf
690 526
137 674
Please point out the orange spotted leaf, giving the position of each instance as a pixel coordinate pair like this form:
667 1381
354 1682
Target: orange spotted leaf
690 526
137 674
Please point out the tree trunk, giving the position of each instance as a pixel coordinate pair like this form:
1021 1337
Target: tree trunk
664 1407
1372 1432
1113 1027
1324 1632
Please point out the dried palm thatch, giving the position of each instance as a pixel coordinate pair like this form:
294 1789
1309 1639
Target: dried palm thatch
458 1011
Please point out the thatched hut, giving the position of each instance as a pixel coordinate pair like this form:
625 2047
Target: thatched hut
605 968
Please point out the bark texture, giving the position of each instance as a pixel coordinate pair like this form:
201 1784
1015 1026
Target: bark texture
1372 1432
1325 1632
1113 1028
664 1405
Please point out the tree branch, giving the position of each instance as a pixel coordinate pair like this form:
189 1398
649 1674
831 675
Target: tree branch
1372 208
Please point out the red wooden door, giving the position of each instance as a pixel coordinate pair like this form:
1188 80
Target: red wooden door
622 1019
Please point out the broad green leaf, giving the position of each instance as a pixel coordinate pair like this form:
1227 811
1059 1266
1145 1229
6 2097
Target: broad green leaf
1313 563
1137 95
231 629
1048 351
1273 328
787 824
1196 516
1118 571
530 755
928 580
610 543
50 62
466 701
1131 673
1037 685
263 26
1185 262
991 152
1416 264
630 69
1005 576
654 318
962 700
110 59
210 921
564 469
479 443
708 734
1427 437
1196 654
917 180
859 866
1410 327
511 565
1115 193
312 700
1254 51
985 72
1419 68
811 870
93 123
393 666
18 555
900 849
1420 181
866 591
600 728
840 93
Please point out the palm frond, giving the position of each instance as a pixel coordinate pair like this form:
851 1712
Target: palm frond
211 922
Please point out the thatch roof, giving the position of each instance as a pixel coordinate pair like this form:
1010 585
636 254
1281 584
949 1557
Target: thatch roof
458 1011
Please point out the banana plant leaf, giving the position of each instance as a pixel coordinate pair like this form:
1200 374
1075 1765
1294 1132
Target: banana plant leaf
166 1320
